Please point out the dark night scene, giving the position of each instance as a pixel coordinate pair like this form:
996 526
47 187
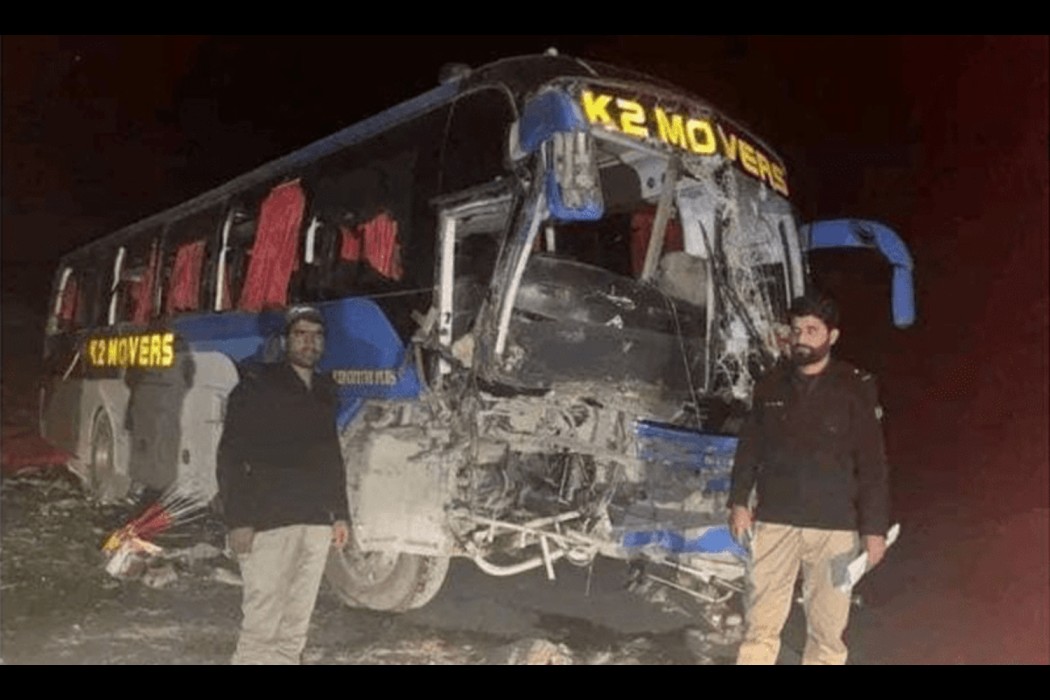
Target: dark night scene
524 350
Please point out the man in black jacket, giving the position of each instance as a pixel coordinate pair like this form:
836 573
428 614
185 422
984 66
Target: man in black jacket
283 489
812 448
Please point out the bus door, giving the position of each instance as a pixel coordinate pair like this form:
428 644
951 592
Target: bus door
471 235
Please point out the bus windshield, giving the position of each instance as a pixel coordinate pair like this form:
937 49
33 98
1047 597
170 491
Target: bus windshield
679 285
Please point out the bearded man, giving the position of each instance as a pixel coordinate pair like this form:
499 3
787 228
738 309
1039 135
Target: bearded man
812 451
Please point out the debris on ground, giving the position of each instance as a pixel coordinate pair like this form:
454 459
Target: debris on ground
532 652
160 576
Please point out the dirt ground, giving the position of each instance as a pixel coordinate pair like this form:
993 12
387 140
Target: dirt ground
59 606
950 592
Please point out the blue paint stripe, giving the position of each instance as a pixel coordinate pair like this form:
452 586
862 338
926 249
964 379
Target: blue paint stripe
715 540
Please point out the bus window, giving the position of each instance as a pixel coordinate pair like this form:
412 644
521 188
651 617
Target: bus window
67 301
80 303
475 144
243 220
274 253
133 294
374 244
187 250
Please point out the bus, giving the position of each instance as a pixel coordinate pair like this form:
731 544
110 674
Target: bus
549 285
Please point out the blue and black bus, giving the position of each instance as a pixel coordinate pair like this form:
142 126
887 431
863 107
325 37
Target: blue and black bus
549 285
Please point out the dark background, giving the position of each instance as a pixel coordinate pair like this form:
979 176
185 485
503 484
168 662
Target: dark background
943 138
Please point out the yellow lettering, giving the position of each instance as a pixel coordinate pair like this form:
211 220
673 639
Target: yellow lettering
144 343
91 351
133 346
747 158
763 167
154 350
632 118
597 108
670 129
112 352
167 349
705 143
728 143
777 179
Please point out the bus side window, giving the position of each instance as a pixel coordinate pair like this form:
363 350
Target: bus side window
66 300
275 250
92 300
244 221
135 289
312 280
189 245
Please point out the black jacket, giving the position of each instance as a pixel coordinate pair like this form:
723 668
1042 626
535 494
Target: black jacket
279 461
814 449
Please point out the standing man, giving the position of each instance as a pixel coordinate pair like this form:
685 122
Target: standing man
813 447
283 489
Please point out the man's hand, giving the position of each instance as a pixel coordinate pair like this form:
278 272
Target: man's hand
240 539
340 533
875 546
739 522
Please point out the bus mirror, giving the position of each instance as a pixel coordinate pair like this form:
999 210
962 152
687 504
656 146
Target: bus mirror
574 191
854 233
552 121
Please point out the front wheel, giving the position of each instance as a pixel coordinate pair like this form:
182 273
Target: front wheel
388 581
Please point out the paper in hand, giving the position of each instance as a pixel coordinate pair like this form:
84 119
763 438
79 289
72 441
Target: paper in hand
859 566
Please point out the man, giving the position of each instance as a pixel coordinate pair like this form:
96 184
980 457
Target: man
283 491
813 447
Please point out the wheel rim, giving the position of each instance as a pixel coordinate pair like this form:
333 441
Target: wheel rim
370 567
101 453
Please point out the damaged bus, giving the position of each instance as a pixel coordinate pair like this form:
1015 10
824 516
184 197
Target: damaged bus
549 285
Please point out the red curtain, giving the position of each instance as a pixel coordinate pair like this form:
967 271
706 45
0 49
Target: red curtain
641 230
185 283
142 291
377 240
275 253
352 243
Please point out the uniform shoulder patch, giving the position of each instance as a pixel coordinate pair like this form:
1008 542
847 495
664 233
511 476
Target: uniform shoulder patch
862 375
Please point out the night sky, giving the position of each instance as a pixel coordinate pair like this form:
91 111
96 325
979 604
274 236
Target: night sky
944 139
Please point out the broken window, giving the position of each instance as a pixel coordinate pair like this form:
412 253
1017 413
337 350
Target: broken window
134 291
274 254
375 243
475 141
184 262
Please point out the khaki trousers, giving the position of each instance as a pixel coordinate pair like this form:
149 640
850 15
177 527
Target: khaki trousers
282 575
778 552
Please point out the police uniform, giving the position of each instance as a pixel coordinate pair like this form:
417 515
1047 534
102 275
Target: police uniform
812 449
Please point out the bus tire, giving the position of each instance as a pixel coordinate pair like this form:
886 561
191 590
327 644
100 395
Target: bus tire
104 483
387 581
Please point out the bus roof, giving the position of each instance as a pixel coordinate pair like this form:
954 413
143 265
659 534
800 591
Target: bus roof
521 75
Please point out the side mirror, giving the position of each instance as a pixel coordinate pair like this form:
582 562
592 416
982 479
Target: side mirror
551 123
574 191
855 233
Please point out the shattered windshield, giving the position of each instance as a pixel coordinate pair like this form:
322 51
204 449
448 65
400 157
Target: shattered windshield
691 310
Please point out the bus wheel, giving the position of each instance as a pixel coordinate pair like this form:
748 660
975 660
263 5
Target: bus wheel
389 581
103 481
